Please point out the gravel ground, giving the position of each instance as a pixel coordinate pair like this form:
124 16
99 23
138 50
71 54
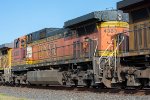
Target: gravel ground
46 94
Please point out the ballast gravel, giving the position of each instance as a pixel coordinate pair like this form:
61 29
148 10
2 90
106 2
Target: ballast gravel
48 94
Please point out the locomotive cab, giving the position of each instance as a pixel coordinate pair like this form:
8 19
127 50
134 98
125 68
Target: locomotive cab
98 40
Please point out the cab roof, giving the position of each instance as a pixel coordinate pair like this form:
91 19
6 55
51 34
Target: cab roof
107 15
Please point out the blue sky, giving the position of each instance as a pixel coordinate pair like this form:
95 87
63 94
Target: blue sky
20 17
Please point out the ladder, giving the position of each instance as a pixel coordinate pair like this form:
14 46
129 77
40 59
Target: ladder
110 60
103 62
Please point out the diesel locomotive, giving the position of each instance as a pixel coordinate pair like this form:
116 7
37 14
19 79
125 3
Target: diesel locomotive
66 56
103 48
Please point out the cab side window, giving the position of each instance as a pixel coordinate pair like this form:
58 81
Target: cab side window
4 52
17 43
70 34
86 29
29 38
23 43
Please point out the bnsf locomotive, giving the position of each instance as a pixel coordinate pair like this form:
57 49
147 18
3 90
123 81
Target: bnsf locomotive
91 50
66 56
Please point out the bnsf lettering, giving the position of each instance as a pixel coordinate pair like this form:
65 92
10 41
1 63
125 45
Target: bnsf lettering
46 50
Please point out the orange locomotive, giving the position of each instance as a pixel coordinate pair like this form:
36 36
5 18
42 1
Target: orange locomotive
73 55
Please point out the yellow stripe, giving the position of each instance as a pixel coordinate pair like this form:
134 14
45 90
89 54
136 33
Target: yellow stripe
114 24
108 53
29 62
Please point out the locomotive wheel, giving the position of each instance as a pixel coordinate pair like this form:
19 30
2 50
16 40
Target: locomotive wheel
88 82
75 83
99 86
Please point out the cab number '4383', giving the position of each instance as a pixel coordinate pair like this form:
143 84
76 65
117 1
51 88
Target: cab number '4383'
109 30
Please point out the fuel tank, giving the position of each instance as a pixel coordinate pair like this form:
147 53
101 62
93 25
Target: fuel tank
45 77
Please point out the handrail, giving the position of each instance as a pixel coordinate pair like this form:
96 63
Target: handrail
105 52
96 46
106 49
111 55
115 52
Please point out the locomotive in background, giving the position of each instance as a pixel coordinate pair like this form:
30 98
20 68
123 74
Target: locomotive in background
136 62
67 56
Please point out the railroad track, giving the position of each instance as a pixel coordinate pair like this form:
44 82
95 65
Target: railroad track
136 92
